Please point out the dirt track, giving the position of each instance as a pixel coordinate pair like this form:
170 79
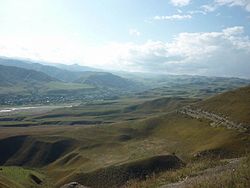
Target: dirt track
216 120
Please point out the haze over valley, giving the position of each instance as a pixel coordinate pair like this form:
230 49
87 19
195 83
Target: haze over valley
124 94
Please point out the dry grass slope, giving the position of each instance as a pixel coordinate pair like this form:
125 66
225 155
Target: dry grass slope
234 104
120 151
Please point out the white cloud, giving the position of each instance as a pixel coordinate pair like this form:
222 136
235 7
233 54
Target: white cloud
209 7
242 3
197 12
173 17
230 3
180 3
233 31
134 32
179 11
223 53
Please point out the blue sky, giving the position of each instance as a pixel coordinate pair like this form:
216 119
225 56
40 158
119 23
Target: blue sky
166 36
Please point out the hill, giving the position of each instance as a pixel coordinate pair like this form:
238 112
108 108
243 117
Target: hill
165 104
60 74
107 80
117 152
76 68
233 104
74 73
10 76
59 86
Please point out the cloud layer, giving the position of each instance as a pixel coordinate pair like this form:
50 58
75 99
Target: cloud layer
224 53
230 3
180 3
242 3
173 17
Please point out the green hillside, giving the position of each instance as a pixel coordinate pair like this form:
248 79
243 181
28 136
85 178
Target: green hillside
18 177
107 80
117 152
26 82
234 104
73 73
10 76
19 85
59 74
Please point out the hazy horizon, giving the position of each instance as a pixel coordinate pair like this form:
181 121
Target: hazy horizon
208 38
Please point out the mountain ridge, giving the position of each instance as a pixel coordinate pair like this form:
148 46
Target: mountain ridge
10 75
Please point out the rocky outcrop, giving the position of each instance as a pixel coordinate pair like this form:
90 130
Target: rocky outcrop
215 119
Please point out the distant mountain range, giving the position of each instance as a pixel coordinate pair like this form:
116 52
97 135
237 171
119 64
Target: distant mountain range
58 73
105 79
76 68
37 82
72 73
11 76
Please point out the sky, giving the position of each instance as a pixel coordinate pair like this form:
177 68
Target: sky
208 37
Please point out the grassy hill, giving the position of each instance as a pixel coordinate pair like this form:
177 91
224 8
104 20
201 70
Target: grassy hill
234 104
60 74
107 80
73 73
28 86
26 82
117 152
72 153
165 104
103 112
188 86
76 68
19 85
18 177
10 76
